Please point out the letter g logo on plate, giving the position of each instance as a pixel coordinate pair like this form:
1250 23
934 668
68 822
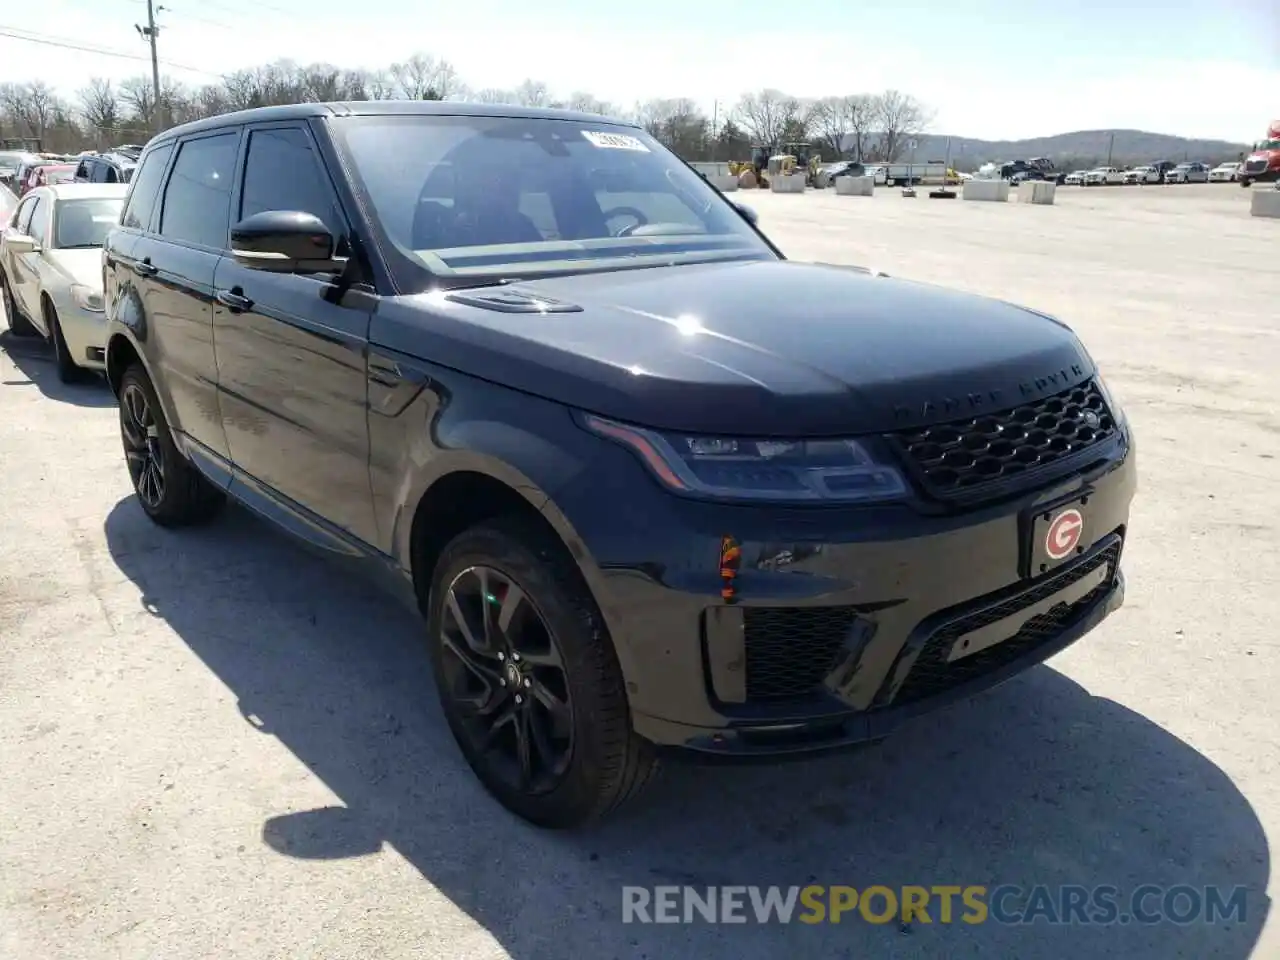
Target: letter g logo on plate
1064 534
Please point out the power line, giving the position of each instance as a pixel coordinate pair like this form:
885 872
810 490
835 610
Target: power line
64 43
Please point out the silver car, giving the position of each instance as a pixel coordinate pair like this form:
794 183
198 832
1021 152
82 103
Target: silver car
51 270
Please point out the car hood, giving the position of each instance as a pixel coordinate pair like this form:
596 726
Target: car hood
79 266
777 348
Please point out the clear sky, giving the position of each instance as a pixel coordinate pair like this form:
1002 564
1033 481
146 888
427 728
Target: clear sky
995 70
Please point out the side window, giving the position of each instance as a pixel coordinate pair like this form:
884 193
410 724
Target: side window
146 188
283 172
21 216
197 200
109 174
82 171
24 225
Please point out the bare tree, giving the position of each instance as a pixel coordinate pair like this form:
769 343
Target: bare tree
100 108
896 117
841 124
532 93
423 77
677 123
768 116
587 103
494 95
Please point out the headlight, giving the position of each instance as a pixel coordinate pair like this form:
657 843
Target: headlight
1117 412
87 298
777 470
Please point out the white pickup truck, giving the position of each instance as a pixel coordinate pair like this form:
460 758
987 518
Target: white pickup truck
1103 176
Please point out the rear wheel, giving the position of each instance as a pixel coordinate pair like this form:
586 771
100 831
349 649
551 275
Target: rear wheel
19 325
528 679
171 491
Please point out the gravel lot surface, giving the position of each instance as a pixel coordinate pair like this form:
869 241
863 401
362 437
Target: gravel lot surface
213 744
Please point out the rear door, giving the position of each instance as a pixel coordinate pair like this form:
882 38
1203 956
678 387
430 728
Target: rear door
291 362
176 264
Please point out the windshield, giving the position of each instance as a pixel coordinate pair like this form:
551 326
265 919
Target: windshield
501 197
81 224
1267 145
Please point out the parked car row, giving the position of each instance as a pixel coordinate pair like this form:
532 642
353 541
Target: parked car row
23 172
1165 171
718 503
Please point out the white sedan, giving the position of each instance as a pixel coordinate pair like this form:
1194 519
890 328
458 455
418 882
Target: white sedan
1076 177
51 270
1225 173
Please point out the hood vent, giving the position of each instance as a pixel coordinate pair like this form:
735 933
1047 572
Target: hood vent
513 301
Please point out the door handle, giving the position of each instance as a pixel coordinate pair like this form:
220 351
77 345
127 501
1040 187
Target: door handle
145 268
234 301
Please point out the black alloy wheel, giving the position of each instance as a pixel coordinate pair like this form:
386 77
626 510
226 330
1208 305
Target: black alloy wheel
506 675
528 676
142 448
170 490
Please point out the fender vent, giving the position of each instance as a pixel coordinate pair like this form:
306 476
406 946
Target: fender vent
513 301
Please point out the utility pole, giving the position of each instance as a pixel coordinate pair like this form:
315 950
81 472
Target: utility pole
149 33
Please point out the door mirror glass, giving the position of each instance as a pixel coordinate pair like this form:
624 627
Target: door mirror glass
748 213
284 241
20 243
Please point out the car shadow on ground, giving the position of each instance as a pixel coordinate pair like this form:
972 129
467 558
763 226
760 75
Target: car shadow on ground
33 356
1034 783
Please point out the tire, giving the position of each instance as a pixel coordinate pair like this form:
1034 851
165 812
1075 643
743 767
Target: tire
601 761
68 370
19 325
1245 181
183 497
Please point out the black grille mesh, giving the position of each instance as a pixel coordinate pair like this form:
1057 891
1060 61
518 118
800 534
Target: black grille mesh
933 674
964 456
791 649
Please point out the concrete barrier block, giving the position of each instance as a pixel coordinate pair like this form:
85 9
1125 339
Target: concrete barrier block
855 186
1036 191
996 191
791 184
1265 202
725 183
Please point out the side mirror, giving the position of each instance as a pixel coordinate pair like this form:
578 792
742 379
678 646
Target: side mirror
284 241
748 213
21 243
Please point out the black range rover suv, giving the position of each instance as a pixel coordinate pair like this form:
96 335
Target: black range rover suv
651 485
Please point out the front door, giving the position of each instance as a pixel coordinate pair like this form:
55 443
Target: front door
292 364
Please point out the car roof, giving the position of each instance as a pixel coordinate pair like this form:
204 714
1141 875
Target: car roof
86 191
382 108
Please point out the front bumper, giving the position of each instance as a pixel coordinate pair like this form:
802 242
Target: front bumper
843 623
85 333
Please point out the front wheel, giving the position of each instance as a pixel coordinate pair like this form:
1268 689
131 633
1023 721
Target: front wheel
528 679
171 491
68 370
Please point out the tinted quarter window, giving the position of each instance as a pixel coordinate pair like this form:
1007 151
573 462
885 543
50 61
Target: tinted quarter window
283 172
197 200
146 188
39 228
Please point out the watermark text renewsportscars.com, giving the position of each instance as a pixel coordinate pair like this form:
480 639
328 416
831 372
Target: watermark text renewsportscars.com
939 903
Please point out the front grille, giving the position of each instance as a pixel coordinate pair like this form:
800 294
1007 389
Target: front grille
962 457
791 649
932 674
1255 166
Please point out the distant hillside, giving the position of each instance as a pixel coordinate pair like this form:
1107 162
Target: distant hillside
1081 148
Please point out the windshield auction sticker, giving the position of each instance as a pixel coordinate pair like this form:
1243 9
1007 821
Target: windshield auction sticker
614 141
